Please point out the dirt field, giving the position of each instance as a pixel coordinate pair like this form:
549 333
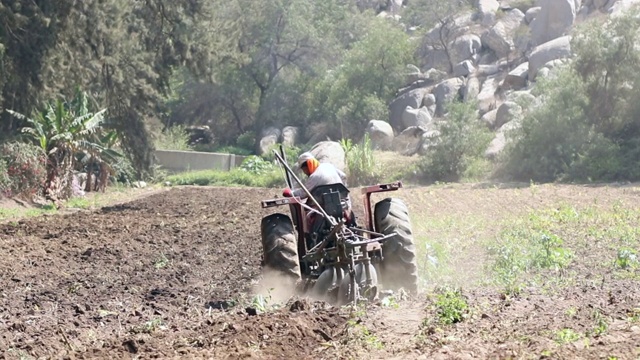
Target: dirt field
173 275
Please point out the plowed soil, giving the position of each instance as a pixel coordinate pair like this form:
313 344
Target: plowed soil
172 275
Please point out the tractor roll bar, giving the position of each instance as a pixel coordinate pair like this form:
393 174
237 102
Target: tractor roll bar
290 172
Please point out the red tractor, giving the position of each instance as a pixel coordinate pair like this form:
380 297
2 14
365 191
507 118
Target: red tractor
334 257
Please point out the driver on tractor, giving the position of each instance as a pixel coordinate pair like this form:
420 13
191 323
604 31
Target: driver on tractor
319 174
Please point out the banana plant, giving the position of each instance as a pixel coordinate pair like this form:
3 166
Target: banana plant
64 129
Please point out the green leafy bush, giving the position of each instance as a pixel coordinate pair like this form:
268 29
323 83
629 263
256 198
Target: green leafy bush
256 165
451 306
25 169
585 127
459 150
246 140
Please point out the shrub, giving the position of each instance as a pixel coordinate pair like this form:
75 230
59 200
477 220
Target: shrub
4 177
256 165
25 169
173 138
246 140
459 150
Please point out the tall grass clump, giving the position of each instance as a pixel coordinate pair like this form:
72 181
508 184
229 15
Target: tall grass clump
362 168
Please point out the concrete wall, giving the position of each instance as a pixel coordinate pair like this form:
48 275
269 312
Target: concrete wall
180 161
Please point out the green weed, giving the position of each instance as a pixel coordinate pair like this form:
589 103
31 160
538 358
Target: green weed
627 259
566 336
451 306
161 262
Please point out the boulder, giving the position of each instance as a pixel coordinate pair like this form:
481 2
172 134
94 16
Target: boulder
555 49
487 96
445 92
517 78
408 141
464 47
489 118
531 14
416 117
412 99
500 37
464 68
429 102
500 140
268 139
507 112
331 152
554 20
487 10
471 89
381 134
290 135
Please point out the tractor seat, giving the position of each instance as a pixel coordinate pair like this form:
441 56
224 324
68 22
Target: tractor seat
333 198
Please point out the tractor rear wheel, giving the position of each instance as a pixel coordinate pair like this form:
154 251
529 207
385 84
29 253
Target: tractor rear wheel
399 268
280 246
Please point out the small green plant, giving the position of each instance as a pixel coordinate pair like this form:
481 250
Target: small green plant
601 326
551 253
627 259
451 306
634 315
358 332
149 327
264 303
161 261
566 336
571 312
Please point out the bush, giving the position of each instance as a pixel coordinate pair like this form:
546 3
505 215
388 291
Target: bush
173 138
25 169
459 151
246 140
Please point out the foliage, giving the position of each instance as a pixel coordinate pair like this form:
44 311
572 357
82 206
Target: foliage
567 335
627 258
235 177
173 138
256 165
451 306
459 146
22 169
362 168
359 89
64 129
585 127
246 140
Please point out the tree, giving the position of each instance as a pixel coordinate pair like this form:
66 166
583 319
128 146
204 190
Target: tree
359 89
441 23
